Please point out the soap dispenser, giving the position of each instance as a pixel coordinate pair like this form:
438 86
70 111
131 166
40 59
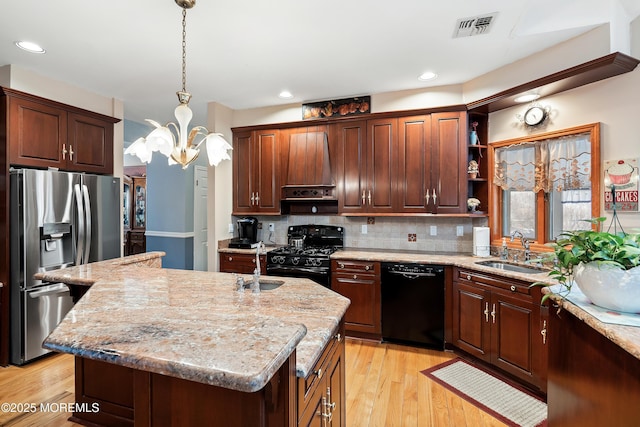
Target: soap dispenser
504 253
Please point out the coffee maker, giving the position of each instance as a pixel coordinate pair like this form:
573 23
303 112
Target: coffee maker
247 234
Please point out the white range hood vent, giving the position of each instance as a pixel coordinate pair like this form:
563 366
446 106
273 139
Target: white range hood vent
474 26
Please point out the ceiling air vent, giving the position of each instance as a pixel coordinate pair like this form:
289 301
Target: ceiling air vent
475 25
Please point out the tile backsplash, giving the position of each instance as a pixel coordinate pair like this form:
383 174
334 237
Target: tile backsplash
397 233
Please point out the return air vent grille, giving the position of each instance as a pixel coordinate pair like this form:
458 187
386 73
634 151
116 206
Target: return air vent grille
474 26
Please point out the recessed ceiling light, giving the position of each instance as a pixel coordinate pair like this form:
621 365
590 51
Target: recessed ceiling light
30 47
285 94
428 75
526 98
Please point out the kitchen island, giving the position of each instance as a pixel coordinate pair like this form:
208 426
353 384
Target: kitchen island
158 346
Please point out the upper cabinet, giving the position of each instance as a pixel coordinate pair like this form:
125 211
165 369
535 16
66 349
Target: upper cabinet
256 172
42 133
388 164
366 165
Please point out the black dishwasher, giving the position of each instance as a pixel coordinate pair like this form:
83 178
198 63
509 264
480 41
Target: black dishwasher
413 304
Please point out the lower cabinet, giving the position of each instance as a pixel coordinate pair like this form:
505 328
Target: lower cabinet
500 321
241 263
136 243
360 282
321 395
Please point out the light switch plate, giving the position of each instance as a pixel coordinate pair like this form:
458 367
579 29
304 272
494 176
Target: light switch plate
433 230
460 230
364 229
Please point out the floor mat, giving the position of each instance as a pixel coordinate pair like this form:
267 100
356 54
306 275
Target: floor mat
505 402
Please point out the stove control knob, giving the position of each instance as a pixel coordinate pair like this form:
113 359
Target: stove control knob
295 260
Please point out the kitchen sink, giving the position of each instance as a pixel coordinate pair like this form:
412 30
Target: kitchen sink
509 266
265 284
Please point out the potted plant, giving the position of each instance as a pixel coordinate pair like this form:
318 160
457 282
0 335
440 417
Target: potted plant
605 266
472 169
473 203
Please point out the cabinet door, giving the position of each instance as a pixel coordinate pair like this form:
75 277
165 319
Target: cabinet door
381 161
448 168
471 327
90 144
363 290
350 140
36 134
515 326
266 171
414 170
336 389
242 173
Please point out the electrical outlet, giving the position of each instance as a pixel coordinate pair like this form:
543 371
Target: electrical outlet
433 230
272 227
460 230
230 227
364 229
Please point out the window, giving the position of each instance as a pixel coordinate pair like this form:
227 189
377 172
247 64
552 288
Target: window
545 184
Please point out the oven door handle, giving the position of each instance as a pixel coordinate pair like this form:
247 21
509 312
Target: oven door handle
313 270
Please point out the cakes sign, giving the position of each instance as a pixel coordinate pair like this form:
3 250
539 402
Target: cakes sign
621 183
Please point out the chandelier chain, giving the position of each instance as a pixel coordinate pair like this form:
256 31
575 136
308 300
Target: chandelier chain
184 49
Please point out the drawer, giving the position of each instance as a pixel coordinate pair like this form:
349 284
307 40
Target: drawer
354 277
355 266
240 263
511 285
307 386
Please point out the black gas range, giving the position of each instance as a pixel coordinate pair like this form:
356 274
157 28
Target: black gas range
307 254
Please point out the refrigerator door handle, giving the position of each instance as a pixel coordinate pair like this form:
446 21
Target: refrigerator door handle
87 205
80 231
56 288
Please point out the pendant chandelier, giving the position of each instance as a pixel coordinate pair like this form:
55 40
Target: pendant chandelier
177 142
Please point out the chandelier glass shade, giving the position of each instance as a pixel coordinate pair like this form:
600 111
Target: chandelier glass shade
177 142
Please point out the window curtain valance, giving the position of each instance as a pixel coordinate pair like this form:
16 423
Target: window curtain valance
550 165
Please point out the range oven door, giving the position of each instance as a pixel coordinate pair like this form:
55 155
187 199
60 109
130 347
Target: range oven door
319 275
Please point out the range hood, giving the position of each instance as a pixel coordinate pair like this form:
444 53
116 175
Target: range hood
309 186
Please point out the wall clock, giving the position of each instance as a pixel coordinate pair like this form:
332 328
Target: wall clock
535 115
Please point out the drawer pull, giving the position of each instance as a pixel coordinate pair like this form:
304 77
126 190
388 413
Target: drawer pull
513 288
486 312
493 313
543 332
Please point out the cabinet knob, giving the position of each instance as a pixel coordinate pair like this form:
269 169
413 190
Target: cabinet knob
340 265
338 337
355 276
468 277
253 260
367 267
230 258
513 288
318 373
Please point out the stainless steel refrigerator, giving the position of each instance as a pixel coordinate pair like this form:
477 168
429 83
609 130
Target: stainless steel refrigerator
58 219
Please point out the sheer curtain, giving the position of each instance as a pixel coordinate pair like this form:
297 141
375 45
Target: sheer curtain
550 165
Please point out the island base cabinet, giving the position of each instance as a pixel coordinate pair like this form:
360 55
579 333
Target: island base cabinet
113 395
591 380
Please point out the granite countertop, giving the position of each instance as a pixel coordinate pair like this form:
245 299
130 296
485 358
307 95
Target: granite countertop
195 325
627 337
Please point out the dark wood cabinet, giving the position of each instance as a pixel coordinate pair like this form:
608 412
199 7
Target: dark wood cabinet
415 192
256 172
367 165
499 321
135 217
448 165
241 263
360 282
321 395
592 380
43 133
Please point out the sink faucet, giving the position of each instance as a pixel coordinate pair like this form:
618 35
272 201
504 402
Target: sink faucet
255 284
525 244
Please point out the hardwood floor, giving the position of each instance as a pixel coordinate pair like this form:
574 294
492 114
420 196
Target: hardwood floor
384 388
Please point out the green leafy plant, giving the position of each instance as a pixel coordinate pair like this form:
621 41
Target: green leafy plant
583 246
